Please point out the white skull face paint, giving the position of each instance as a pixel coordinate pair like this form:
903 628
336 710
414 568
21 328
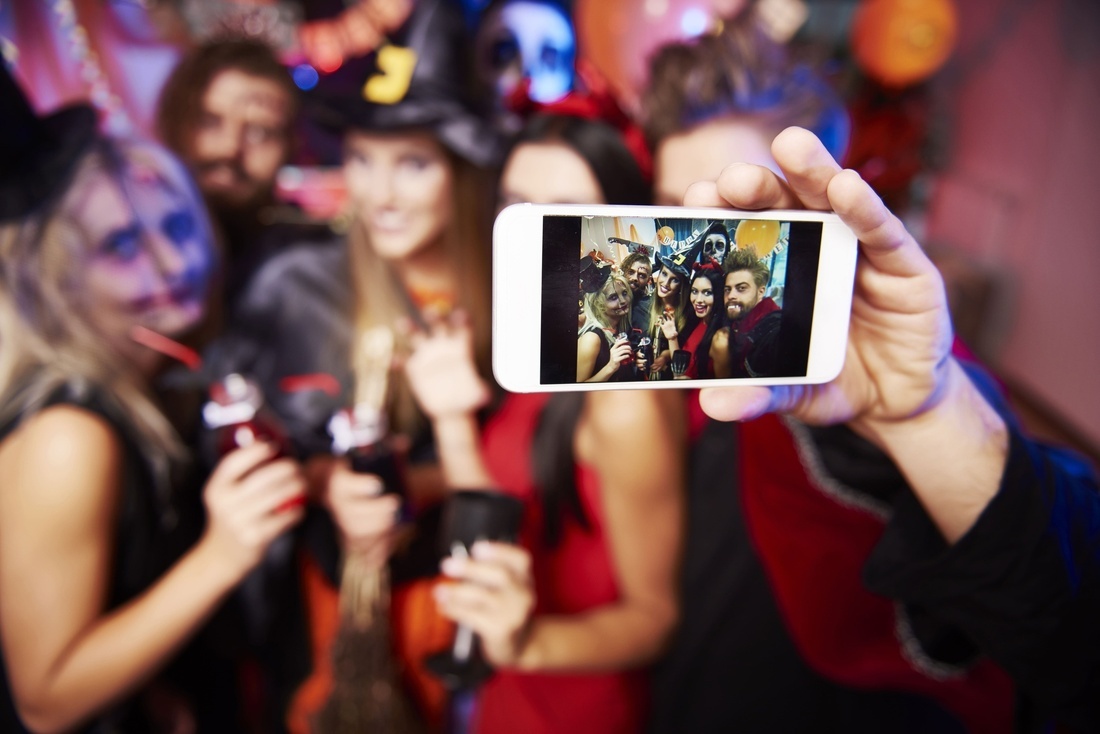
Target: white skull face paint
715 246
527 39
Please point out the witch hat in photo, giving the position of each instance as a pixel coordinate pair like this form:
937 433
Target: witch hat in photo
421 79
681 261
594 273
37 153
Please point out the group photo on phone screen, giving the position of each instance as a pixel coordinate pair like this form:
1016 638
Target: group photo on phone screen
633 299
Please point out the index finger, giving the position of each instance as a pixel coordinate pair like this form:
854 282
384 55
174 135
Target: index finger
884 240
807 165
512 557
240 462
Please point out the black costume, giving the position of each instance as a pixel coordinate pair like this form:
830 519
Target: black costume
625 373
153 529
1022 587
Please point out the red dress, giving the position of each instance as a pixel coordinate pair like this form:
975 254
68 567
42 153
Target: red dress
692 345
576 576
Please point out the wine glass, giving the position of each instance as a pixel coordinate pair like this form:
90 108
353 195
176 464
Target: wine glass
470 516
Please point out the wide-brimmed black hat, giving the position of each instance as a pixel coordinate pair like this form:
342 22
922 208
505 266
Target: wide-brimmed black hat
682 260
372 95
594 273
37 154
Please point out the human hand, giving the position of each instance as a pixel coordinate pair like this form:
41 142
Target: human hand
661 361
899 341
365 517
668 326
620 353
494 595
440 367
251 499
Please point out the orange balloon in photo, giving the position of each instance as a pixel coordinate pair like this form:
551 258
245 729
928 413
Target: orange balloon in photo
759 234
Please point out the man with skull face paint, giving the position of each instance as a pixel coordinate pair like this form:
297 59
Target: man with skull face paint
526 47
716 242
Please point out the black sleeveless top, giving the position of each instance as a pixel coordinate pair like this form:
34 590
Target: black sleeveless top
149 536
625 373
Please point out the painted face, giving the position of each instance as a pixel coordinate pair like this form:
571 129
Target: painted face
715 246
150 257
401 186
638 276
548 173
701 297
242 139
616 300
741 294
526 39
668 284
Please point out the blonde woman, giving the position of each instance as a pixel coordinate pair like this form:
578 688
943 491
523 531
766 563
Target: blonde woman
603 349
98 236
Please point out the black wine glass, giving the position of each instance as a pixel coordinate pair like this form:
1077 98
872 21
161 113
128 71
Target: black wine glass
470 516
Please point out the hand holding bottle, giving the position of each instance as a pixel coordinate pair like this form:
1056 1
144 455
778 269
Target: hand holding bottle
251 499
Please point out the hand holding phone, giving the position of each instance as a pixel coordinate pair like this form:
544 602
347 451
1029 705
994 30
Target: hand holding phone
899 342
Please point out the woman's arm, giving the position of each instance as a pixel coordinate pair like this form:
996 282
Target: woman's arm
643 517
643 502
67 657
444 380
588 348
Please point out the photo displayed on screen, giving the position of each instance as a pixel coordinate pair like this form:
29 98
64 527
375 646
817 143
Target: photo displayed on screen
639 299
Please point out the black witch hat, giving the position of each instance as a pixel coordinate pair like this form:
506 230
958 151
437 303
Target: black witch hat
421 80
37 154
681 261
594 273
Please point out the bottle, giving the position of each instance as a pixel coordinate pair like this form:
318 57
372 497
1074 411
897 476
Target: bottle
360 433
237 416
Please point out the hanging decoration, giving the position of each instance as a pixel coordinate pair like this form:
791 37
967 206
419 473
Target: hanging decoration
115 118
311 47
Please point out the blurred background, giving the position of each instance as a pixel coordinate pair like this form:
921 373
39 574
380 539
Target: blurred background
972 119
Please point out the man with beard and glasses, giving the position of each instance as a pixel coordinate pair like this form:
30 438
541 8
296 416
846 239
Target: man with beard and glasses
227 110
748 346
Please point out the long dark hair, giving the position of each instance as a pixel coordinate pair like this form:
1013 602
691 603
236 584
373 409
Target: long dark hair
622 182
602 148
712 272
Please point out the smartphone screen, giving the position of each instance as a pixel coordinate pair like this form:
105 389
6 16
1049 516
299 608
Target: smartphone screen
685 296
605 297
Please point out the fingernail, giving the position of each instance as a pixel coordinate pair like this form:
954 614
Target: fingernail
453 566
292 503
482 549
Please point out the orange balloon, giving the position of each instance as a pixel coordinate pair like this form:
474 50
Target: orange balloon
901 42
759 234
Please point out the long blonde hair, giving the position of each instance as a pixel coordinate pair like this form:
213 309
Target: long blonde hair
380 299
595 306
47 337
679 313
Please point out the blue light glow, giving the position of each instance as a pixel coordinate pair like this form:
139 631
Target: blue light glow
305 76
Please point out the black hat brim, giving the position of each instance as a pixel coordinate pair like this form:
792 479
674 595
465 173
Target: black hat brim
462 132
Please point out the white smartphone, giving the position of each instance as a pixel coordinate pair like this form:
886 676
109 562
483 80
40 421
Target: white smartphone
630 297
